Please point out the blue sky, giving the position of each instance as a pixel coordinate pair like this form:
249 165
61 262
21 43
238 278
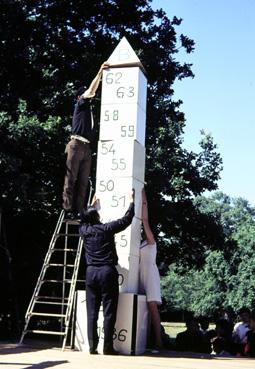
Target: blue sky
221 97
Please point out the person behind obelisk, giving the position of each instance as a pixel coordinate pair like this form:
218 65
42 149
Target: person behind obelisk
101 273
78 150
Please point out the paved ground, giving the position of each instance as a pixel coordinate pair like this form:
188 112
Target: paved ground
24 357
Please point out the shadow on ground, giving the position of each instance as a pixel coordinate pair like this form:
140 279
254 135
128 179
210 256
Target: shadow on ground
42 365
7 348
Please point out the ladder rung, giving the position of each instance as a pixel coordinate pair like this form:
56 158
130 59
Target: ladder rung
57 280
71 250
74 222
67 235
45 332
51 303
60 265
48 314
51 298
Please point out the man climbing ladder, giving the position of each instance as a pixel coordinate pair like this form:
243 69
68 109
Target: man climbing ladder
78 150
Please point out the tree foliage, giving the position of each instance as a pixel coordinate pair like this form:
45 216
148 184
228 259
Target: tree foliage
227 277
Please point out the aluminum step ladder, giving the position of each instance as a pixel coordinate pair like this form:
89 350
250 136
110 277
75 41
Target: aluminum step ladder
51 306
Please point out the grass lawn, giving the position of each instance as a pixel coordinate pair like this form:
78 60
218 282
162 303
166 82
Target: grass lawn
173 328
176 327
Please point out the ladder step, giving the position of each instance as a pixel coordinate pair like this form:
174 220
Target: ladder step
74 222
70 250
48 314
67 235
61 280
60 265
51 303
51 298
57 281
46 332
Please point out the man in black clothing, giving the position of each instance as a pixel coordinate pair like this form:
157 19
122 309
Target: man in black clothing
78 150
192 339
101 273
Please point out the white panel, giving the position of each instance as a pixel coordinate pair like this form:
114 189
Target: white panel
128 269
81 337
121 86
142 325
128 241
119 159
142 96
114 201
122 122
125 320
123 327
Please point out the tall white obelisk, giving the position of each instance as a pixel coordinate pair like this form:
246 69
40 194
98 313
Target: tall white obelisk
121 153
120 167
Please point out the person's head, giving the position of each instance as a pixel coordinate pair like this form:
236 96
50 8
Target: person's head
192 325
204 323
90 216
79 92
252 320
223 328
244 315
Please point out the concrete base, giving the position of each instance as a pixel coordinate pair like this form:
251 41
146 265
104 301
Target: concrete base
130 336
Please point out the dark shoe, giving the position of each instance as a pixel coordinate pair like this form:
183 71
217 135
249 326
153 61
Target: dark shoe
111 352
93 352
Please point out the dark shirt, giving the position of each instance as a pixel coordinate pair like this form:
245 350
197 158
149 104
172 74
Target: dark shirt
99 241
82 122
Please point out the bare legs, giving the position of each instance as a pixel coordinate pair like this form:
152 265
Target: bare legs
155 320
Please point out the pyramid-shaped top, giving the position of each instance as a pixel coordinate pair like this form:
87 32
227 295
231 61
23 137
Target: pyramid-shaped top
124 55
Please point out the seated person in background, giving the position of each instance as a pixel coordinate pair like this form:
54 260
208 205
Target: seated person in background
241 328
166 340
224 331
149 279
250 345
219 347
192 339
204 325
229 315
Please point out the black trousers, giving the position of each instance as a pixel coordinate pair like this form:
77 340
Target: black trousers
101 286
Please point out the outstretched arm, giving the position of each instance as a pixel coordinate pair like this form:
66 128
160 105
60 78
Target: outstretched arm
145 219
91 91
119 225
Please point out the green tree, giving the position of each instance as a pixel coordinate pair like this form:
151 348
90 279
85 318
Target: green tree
201 291
30 161
177 287
227 276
